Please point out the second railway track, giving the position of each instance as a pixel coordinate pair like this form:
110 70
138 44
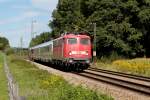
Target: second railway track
132 82
143 78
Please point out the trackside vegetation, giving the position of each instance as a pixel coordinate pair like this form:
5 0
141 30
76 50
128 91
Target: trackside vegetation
3 81
36 84
138 66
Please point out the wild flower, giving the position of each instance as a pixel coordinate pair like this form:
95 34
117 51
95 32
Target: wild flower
138 65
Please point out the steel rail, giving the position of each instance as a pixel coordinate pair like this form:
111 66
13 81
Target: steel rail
118 82
143 78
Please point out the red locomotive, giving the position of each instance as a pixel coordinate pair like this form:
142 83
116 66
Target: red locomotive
69 51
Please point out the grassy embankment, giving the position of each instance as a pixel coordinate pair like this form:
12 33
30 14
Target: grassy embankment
138 66
3 81
37 84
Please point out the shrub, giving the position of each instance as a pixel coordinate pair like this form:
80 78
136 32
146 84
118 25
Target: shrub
138 66
108 59
9 51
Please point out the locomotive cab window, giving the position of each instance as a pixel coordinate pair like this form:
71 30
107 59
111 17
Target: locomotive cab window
72 41
85 41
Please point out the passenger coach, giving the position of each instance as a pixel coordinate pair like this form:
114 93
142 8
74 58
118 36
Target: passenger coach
69 51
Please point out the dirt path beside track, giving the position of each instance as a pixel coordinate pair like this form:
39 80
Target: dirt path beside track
12 85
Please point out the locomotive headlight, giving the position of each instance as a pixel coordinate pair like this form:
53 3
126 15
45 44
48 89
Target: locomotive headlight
70 60
70 53
87 61
86 52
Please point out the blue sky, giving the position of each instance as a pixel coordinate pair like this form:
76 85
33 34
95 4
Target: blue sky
16 17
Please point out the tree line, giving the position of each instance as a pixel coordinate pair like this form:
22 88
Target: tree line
4 43
43 37
122 26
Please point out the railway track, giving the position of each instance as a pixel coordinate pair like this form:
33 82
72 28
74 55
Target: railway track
128 81
132 82
143 78
119 87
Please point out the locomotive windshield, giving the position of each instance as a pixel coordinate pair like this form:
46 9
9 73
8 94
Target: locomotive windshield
72 41
84 41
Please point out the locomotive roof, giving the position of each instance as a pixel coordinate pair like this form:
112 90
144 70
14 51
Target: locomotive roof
74 35
65 36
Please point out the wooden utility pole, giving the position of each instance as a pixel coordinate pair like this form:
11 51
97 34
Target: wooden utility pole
94 39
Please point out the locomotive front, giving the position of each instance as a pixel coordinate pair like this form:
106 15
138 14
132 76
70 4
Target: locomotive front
78 49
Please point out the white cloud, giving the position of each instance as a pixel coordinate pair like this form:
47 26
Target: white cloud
48 5
23 16
24 31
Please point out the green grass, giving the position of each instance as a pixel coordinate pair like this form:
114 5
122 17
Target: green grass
3 81
35 84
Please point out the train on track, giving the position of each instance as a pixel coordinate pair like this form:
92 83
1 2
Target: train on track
70 51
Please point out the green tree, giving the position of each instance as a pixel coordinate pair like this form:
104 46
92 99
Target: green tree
122 25
4 43
43 37
67 17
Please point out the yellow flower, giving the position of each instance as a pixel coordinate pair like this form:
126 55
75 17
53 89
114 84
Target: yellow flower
138 65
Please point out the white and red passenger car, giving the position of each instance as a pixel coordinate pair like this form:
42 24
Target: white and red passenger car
67 50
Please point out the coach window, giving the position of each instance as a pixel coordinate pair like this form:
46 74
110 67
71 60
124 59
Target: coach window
59 42
54 43
50 47
32 51
64 40
72 41
84 41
